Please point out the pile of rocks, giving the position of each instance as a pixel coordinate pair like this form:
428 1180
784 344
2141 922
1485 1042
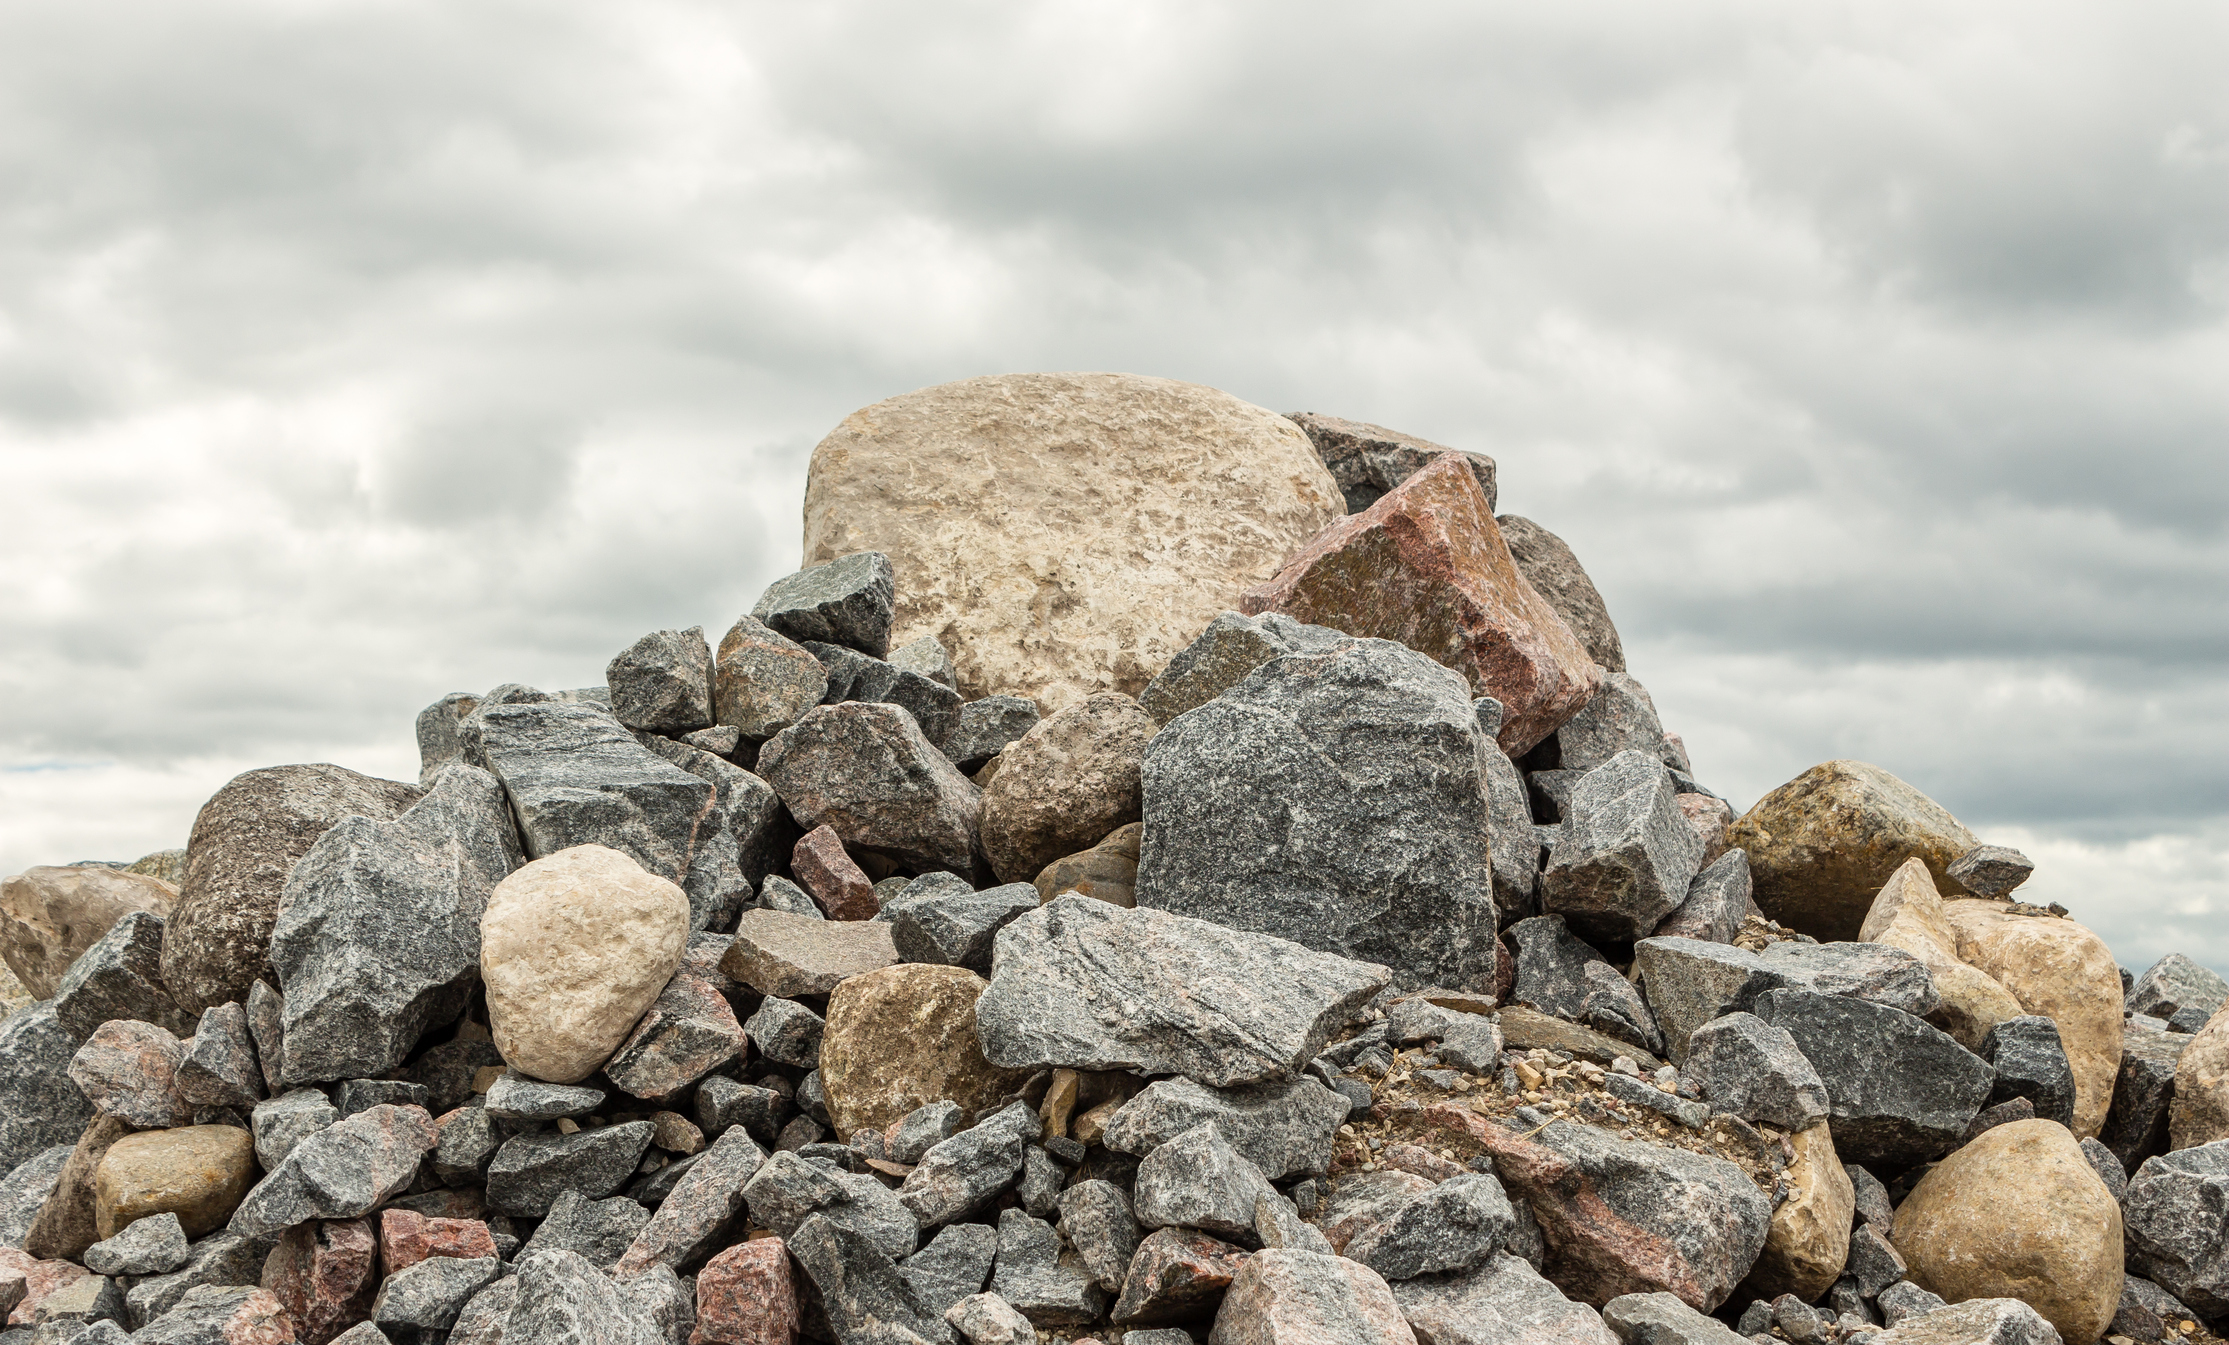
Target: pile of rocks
1067 909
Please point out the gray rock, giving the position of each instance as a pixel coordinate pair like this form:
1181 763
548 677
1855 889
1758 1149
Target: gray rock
860 1286
721 740
2031 1063
868 772
922 1129
439 742
1166 1335
1558 974
847 601
1990 870
129 1069
359 1095
428 1296
266 1010
1979 1321
1081 984
530 1171
687 1032
1716 904
787 1190
1619 718
722 1102
515 1097
1689 982
2189 1021
467 1142
120 976
222 1259
1452 1227
1281 1128
2177 1218
1548 565
852 676
662 683
563 1300
2136 1123
954 1266
1039 1188
1873 1204
25 1189
1693 1115
152 1245
780 894
745 837
220 1069
1754 1070
665 1300
2175 983
1031 1275
599 1231
210 1315
1231 647
1627 854
962 1173
763 681
1902 1092
2145 1309
958 930
280 1123
1516 849
339 1172
1873 972
1873 1262
1335 798
1503 1301
1368 460
378 931
987 1319
786 1032
1798 1321
1662 1319
1096 1219
1467 1041
1198 1180
912 892
1278 1224
2108 1169
447 1071
700 1208
928 657
844 668
986 726
1550 795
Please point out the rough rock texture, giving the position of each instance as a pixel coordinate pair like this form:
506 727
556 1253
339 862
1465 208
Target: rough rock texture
1072 588
1197 1180
745 1296
2167 987
407 1237
1448 1228
688 1031
429 1295
284 1121
532 1170
957 1175
1176 1274
901 1038
199 1173
324 1274
1908 914
563 1300
763 681
340 1172
1661 1319
155 1245
841 889
130 1069
1984 1321
662 683
2138 1124
27 1192
986 726
960 930
1065 784
1991 870
1716 902
1232 646
1902 1092
2062 971
1809 1242
860 1287
378 932
786 955
1626 856
574 947
787 1032
50 915
845 601
1426 566
1031 1274
2031 1064
1080 984
39 1105
1506 1302
740 840
120 976
1288 1296
1548 564
2200 1111
1335 798
245 841
1282 1128
1822 846
220 1068
1746 1066
2177 1214
600 1231
1369 460
867 771
700 1208
220 1315
1620 717
2018 1214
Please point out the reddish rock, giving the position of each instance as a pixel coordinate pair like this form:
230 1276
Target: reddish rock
1280 1297
407 1237
324 1275
1426 566
745 1297
1420 1161
129 1069
689 1030
826 870
40 1279
1710 817
1176 1275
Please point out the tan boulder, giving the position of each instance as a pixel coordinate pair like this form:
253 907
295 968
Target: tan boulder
199 1173
2200 1112
901 1038
50 914
1822 845
65 1225
1063 534
573 948
2062 971
1108 870
1810 1236
2018 1213
1908 914
1065 784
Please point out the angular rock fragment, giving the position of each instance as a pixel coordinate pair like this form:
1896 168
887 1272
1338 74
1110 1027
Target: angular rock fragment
1176 1275
1901 1092
355 1095
1690 982
860 1287
785 955
699 1208
1559 974
2177 1213
1548 564
563 1300
741 840
1808 1245
1070 780
2175 983
1198 1180
120 976
1032 1275
986 726
958 930
1232 646
867 772
688 1031
221 1259
745 1296
722 1103
429 1295
324 1274
2199 1113
846 601
342 1171
212 1314
1627 855
2030 1063
1281 1128
280 1123
155 1245
1096 1220
407 1237
1369 460
1983 1321
787 1032
1872 972
1465 1040
987 1319
955 1265
129 1070
439 739
598 1231
901 1038
25 1192
51 914
514 1097
762 681
662 683
1284 1295
963 1172
1661 1319
1747 1066
1452 1227
220 1068
1990 870
1516 849
828 874
1619 717
786 1190
530 1171
1506 1302
2139 1125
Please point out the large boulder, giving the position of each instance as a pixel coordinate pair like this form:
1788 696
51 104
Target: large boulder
1426 566
50 915
1822 845
1908 914
2177 1213
217 941
866 771
903 1037
1066 784
1336 798
1901 1092
40 1106
2062 971
1547 563
1065 533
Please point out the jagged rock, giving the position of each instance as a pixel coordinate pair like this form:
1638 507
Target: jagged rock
2172 984
324 1274
2030 1063
129 1069
2139 1125
1070 780
514 1097
763 681
2064 972
1709 815
699 1208
1464 1040
1983 1321
599 1231
955 1265
265 1009
1626 856
120 976
1097 1220
1753 1069
1369 460
828 875
438 731
688 1031
563 1300
904 1037
739 841
1901 1092
1285 1295
40 1106
1690 982
1619 717
846 601
1548 564
1871 972
1232 646
987 1319
2177 1213
407 1237
50 915
867 771
429 1295
245 842
787 1032
1717 900
786 1190
2199 1112
958 930
214 1315
860 1286
986 726
1908 914
1031 1275
1336 798
1661 1319
1452 1227
784 955
342 1171
530 1171
927 656
1281 1128
722 1104
220 1068
155 1245
1874 1263
1990 870
574 947
1198 1180
745 1296
221 1259
959 1174
355 1095
1079 984
662 683
1808 1244
280 1123
25 1191
1559 974
1176 1274
910 892
1523 1029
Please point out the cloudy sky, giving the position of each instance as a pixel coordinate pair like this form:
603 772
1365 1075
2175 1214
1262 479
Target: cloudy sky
1875 359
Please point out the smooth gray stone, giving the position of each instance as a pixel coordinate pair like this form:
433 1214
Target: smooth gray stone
220 1068
1231 646
428 1296
722 1102
1716 904
955 1265
25 1189
2136 1123
700 1206
531 1171
1097 1220
1337 799
847 601
922 1129
1281 1128
282 1122
439 742
222 1259
2175 983
1620 717
120 976
40 1105
662 683
266 1010
1873 972
1029 1275
599 1231
1516 849
342 1171
786 1032
2108 1169
1627 854
958 930
2031 1063
928 657
563 1300
1450 1228
2177 1218
962 1173
1081 984
860 1285
1560 975
361 1095
1990 870
515 1097
1901 1091
1662 1319
1903 1300
1503 1301
152 1245
986 726
747 836
1198 1180
780 894
1746 1066
869 772
1980 1321
786 1190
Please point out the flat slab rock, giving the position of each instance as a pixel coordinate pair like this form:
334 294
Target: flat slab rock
785 955
1505 1302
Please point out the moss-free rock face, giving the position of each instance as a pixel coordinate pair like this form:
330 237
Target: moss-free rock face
1810 1236
901 1038
51 914
2062 971
199 1173
1908 914
1823 845
2200 1111
1063 534
1064 785
2018 1213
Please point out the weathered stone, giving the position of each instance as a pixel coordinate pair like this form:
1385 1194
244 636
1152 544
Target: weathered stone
378 932
1292 1296
1908 914
740 841
1690 982
846 601
2199 1113
1619 717
1281 1128
1097 1220
40 1106
662 683
1559 974
722 1104
1079 984
67 1222
1901 1092
155 1245
785 955
1990 870
688 1031
987 1319
221 1259
428 1296
2139 1125
2177 1214
220 1068
129 1069
786 1190
1107 871
895 895
745 1296
1470 1041
1452 1227
213 1315
2062 971
1524 1029
1031 1274
1822 845
1717 901
1232 646
1505 1302
1809 1241
2172 984
355 1095
265 1010
1516 850
199 1173
961 1173
828 874
1335 798
1368 460
407 1237
1747 1066
120 976
986 726
1626 857
342 1171
904 1037
955 1265
1874 973
244 844
324 1275
1198 1180
2030 1063
1548 564
574 947
787 1032
763 681
699 1209
530 1171
26 1192
563 1300
860 1286
1176 1275
50 915
282 1122
599 1231
1069 781
440 740
867 771
514 1097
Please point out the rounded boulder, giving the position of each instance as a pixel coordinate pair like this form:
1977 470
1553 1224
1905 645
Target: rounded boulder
2199 1113
901 1038
199 1173
2062 971
51 914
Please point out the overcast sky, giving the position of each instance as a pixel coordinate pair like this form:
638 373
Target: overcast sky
1874 359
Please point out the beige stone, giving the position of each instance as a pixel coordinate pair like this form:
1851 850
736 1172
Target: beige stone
50 914
1810 1236
199 1173
2200 1111
1908 914
901 1038
1065 784
67 1224
2062 971
1822 845
1063 534
777 953
573 948
2018 1213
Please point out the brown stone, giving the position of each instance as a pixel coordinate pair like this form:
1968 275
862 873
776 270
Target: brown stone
1908 914
2062 971
903 1037
675 1133
1176 1275
829 876
745 1296
2018 1213
1106 872
1523 1029
1420 1161
1547 563
66 1224
1426 566
51 914
1288 1297
407 1237
325 1274
776 953
1074 777
1810 1238
129 1069
2199 1113
41 1281
1822 845
199 1173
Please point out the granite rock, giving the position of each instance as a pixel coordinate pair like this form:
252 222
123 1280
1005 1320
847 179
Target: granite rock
155 1245
1747 1066
1452 1227
960 1174
429 1295
598 1231
959 930
986 726
439 733
531 1170
1176 1274
1990 870
687 1032
40 1106
129 1069
787 1032
1199 1180
220 1068
24 1192
1547 563
1231 646
1283 1129
2172 984
1661 1319
325 1275
1626 856
1369 460
120 976
2030 1063
280 1123
563 1300
763 681
699 1210
785 955
860 1287
1030 1273
2140 1123
662 683
1717 901
2177 1214
347 1169
1279 1296
1901 1092
1097 1220
1908 914
1808 1245
847 601
746 1296
867 771
1558 974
